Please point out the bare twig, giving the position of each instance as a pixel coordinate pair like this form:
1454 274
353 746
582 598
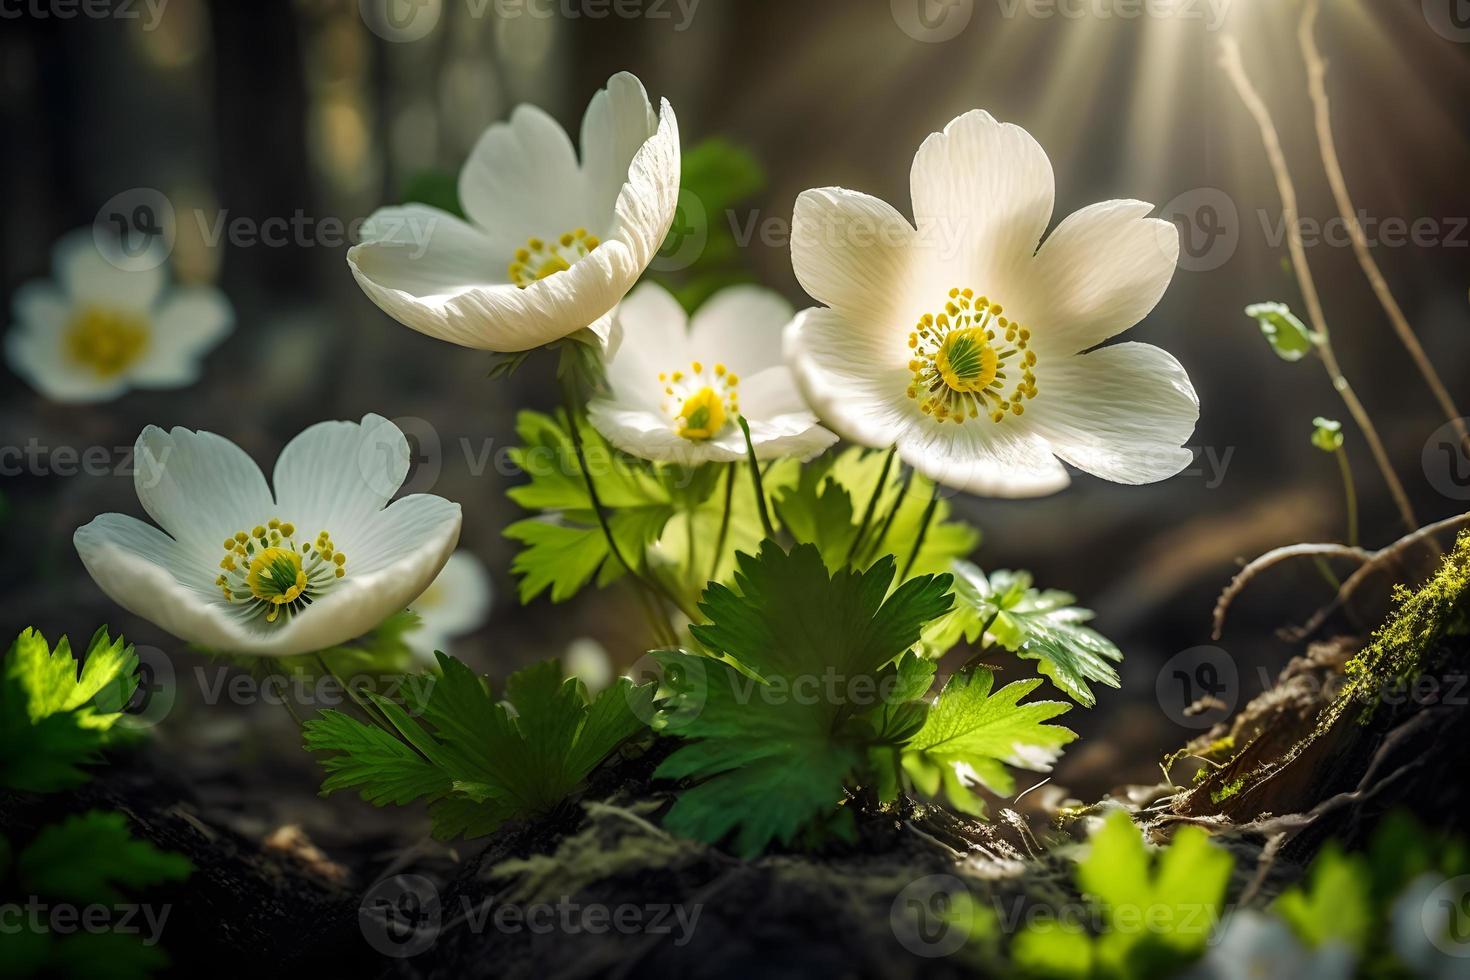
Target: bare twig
1393 552
1316 74
1275 557
1235 70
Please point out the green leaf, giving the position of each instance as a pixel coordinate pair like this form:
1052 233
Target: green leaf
105 956
778 726
92 857
1178 891
701 254
1333 904
819 510
791 618
566 548
1035 624
55 717
826 502
387 769
1288 336
478 761
1326 434
972 734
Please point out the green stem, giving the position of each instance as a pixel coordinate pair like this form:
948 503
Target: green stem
373 712
903 492
1351 493
924 523
570 396
755 474
872 507
714 567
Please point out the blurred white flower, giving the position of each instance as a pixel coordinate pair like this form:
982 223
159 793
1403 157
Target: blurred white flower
677 386
109 322
323 560
960 342
1257 946
587 660
458 602
1423 933
551 244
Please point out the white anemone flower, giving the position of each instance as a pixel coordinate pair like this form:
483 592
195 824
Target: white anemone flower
965 345
678 385
324 559
551 245
109 323
456 603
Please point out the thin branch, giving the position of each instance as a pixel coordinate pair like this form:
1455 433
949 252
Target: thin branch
1316 75
1235 70
1393 552
1270 559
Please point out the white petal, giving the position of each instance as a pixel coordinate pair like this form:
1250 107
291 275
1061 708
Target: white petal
152 576
522 180
497 317
618 121
649 434
1100 272
1122 412
41 304
189 323
458 601
416 536
992 459
655 340
778 436
741 327
766 394
199 487
409 536
113 280
336 476
34 350
855 381
587 660
647 202
856 254
983 194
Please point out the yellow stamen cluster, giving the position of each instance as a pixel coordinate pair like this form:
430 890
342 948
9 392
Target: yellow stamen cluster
961 357
265 569
701 402
105 342
540 258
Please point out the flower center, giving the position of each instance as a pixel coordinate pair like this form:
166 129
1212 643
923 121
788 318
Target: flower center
106 341
961 358
265 570
701 401
539 258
